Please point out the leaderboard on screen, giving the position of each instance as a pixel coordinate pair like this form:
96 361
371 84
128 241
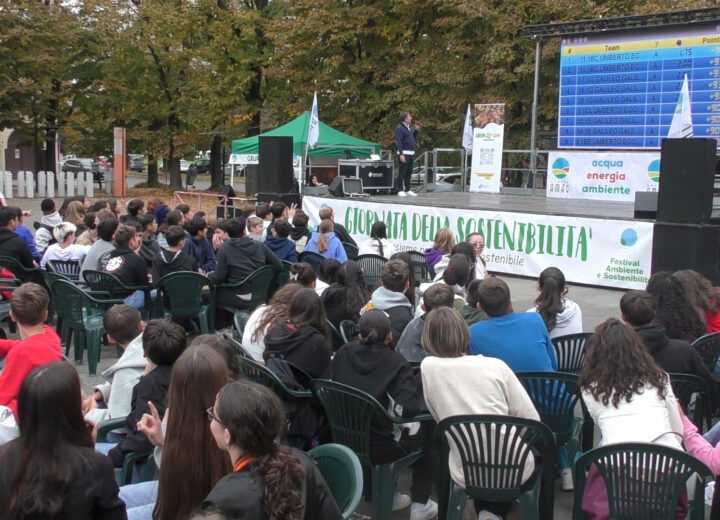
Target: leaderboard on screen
622 94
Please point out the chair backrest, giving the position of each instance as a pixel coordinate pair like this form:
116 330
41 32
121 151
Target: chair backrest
262 375
422 272
684 387
371 266
74 301
350 412
708 346
16 268
312 258
260 281
240 319
348 329
570 351
555 396
416 256
351 250
643 481
69 268
101 281
334 331
283 276
239 349
342 471
182 292
493 451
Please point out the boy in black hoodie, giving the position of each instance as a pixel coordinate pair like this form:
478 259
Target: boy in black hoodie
371 365
672 355
11 244
173 258
127 265
163 342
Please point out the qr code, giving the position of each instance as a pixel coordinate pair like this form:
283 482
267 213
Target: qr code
486 155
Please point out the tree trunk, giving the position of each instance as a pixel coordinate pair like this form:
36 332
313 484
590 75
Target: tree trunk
217 173
152 178
173 166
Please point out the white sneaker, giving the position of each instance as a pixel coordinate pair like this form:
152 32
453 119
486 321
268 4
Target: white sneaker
423 511
487 515
402 194
566 480
412 193
400 501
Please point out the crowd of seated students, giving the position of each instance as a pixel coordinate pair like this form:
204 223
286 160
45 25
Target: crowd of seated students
449 347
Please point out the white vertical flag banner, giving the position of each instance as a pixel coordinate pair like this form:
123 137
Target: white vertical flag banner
487 148
681 125
314 128
467 136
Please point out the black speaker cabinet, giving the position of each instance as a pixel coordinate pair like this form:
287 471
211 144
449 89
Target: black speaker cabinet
686 246
336 188
252 176
276 167
687 169
646 203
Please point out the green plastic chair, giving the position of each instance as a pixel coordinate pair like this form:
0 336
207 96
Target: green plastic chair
335 332
258 282
493 450
422 272
643 481
312 258
570 352
685 386
348 330
555 396
371 266
111 284
708 346
22 273
83 317
262 375
351 250
416 256
350 412
144 460
342 471
240 351
6 284
180 295
239 321
68 268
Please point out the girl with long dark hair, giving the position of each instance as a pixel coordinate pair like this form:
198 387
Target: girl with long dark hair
52 470
327 275
628 396
302 340
344 299
377 244
188 459
674 311
560 315
265 317
268 481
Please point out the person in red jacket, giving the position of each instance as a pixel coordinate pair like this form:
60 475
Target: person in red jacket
38 343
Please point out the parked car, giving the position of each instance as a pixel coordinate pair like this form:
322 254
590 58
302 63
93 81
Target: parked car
184 165
136 162
199 166
77 165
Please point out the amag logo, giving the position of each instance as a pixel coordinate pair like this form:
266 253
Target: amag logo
560 168
654 171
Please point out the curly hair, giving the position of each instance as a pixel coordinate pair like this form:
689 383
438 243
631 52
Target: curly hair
617 365
278 310
699 290
253 415
674 311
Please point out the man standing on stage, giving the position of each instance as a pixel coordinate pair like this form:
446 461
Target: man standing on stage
405 140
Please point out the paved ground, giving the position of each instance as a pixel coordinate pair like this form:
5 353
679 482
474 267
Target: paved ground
597 305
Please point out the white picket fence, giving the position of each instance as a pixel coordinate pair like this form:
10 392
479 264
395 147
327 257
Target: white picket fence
49 184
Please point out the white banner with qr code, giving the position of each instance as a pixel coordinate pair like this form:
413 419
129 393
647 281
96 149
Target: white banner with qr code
488 133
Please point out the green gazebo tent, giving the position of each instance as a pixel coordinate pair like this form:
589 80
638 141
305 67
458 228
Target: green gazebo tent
332 143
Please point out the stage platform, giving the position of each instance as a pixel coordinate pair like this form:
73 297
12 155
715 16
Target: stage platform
536 204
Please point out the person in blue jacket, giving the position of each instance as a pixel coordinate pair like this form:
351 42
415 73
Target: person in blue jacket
198 246
405 135
325 243
279 243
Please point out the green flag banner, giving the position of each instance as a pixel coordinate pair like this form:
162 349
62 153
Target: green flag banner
611 253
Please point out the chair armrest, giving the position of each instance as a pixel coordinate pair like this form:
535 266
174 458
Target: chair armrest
105 427
423 417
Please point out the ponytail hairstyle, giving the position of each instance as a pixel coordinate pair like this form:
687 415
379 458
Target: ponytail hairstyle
410 291
304 274
253 416
552 291
326 226
374 328
378 232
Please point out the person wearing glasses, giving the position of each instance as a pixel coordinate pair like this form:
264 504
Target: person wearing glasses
477 241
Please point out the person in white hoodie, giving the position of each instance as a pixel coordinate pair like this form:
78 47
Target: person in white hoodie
124 327
561 315
64 249
377 244
50 219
